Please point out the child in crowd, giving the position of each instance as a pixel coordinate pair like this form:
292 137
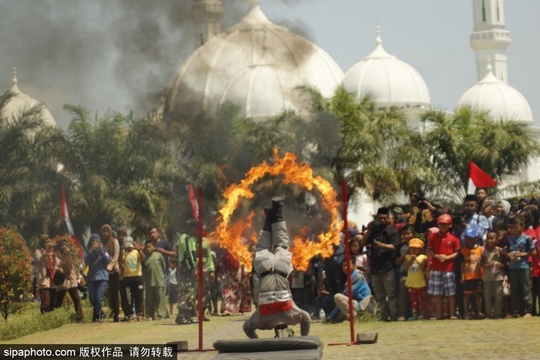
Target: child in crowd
415 283
471 272
536 275
133 258
519 248
493 264
362 261
502 242
154 278
407 233
443 248
172 285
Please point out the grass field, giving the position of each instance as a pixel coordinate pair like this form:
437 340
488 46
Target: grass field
428 339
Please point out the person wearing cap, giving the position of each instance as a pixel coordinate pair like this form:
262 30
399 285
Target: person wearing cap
443 247
415 265
383 240
471 272
188 260
133 258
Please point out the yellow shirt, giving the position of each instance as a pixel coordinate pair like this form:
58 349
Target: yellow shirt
132 263
415 274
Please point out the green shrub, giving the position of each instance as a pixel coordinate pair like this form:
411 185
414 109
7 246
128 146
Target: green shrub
15 272
24 325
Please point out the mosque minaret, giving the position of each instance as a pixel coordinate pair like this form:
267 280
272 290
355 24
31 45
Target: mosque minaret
207 18
490 38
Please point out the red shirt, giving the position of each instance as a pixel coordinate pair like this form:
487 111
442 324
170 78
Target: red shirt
446 244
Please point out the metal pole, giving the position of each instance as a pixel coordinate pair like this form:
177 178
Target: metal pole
347 256
200 269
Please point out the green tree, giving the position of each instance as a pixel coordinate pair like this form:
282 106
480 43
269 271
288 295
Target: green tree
118 171
28 160
15 272
499 147
378 152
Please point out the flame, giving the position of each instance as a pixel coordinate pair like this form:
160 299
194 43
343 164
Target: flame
229 234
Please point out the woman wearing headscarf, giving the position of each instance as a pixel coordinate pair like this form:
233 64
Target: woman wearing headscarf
97 260
502 209
45 273
67 270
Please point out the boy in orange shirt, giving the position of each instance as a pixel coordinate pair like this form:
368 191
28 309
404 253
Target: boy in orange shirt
471 272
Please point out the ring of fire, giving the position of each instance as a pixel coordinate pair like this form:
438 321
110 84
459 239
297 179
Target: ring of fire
229 234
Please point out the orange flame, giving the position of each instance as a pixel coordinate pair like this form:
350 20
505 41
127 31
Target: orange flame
229 234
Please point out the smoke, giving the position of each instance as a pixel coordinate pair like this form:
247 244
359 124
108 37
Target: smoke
99 54
102 55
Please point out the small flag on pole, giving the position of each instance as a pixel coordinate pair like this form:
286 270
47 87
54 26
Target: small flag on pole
194 202
478 179
67 220
65 212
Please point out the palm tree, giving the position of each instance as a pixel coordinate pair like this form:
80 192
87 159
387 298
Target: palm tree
27 170
501 148
378 152
118 171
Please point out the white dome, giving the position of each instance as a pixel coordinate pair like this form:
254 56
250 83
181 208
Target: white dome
500 99
391 81
20 103
254 64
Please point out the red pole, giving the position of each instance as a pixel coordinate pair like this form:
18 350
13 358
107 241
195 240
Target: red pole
200 269
347 257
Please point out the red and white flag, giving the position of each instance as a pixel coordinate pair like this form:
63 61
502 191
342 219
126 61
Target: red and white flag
65 212
194 202
478 179
69 225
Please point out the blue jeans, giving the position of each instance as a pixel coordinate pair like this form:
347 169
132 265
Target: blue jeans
96 291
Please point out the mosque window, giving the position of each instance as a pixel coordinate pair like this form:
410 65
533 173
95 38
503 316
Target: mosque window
498 11
483 10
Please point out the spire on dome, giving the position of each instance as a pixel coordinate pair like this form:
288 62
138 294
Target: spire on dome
379 51
489 68
378 39
253 3
14 86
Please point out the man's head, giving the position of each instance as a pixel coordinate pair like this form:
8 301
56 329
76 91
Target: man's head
352 263
470 205
153 233
383 216
192 226
121 233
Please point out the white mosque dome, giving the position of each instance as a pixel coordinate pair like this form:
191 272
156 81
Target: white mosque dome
500 99
20 103
391 81
255 64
